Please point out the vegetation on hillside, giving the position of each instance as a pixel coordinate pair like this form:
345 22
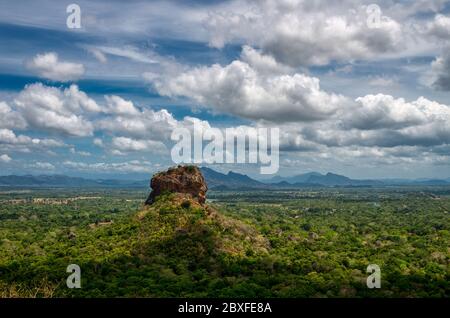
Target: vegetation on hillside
248 244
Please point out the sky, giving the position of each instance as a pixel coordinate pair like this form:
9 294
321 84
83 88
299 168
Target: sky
359 88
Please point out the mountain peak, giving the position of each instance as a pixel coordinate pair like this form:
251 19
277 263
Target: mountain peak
232 180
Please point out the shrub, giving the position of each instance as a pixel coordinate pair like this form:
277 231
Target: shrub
186 204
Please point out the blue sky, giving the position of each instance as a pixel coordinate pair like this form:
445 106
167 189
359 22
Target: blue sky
348 97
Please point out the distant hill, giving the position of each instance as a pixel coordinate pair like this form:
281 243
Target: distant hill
214 179
232 180
301 178
220 181
318 179
331 179
66 181
311 179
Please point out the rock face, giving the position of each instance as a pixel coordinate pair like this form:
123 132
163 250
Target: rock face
182 179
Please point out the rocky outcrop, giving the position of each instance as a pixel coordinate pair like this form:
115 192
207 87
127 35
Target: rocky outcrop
186 223
186 180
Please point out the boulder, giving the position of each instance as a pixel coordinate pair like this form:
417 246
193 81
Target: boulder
186 180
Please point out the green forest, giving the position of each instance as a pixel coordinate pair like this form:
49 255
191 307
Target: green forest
304 243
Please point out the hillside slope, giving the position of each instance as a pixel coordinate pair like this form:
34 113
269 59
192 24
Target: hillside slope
172 248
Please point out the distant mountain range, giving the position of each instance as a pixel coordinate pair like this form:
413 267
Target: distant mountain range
66 181
329 179
220 181
231 180
334 180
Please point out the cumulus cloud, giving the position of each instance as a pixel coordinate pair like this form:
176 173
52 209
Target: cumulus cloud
5 158
263 63
48 65
384 111
383 121
257 90
98 142
53 109
257 87
124 144
38 165
10 118
81 153
439 27
22 143
121 167
118 105
147 123
68 111
79 101
373 121
424 135
440 69
268 85
300 33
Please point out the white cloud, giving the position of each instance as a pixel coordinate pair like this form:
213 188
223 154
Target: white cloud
262 63
49 66
12 142
99 55
77 100
118 105
51 109
258 92
300 33
309 118
38 165
384 111
81 153
156 125
123 167
266 85
98 142
10 118
128 52
382 81
5 158
124 144
440 72
439 27
372 121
